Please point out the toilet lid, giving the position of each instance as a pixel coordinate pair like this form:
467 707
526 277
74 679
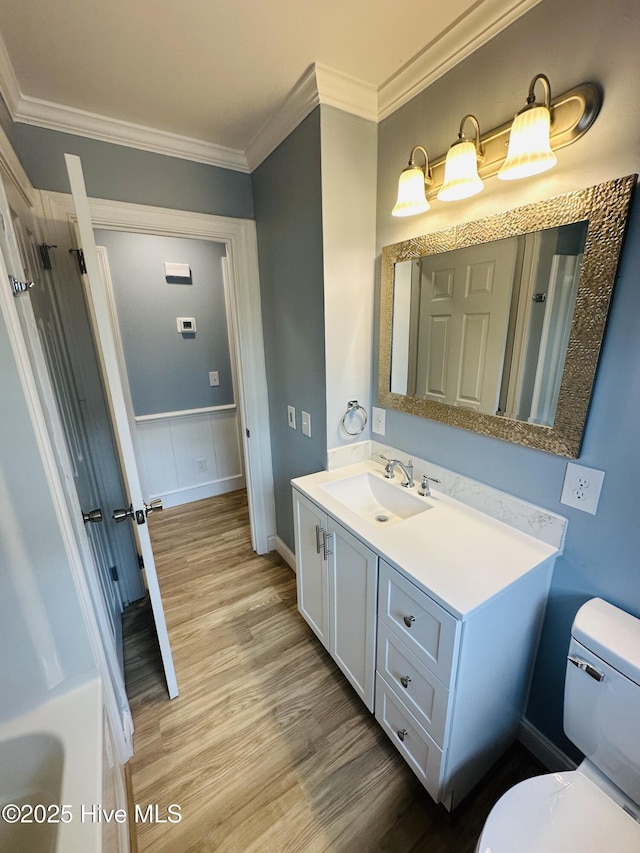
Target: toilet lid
558 813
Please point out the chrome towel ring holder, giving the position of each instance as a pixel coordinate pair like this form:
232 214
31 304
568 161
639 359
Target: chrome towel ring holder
353 407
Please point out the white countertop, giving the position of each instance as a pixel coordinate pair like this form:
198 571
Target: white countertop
456 554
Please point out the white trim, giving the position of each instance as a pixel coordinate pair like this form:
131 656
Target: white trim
178 497
544 750
480 23
276 544
239 237
82 123
167 416
317 85
12 167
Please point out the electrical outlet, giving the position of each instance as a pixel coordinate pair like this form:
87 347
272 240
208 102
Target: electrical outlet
377 420
201 464
291 417
214 378
581 488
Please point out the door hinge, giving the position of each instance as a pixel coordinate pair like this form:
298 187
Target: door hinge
248 433
18 287
80 258
45 257
140 562
114 574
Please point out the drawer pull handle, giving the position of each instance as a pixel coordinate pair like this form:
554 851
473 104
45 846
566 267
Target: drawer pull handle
408 620
402 733
405 681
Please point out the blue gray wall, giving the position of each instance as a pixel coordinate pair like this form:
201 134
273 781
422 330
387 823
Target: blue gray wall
127 174
288 205
571 41
169 371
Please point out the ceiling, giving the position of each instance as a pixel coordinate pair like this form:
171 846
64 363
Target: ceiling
218 71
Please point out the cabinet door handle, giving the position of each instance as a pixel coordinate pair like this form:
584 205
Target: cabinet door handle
405 681
319 538
402 733
327 540
408 620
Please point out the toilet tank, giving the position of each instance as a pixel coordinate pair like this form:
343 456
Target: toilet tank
602 692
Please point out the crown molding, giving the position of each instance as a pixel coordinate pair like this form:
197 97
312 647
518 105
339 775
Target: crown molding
318 85
484 20
81 123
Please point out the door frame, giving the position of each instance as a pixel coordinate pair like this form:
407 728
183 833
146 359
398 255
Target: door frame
243 293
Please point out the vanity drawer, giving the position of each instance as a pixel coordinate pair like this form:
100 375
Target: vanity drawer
427 629
420 751
423 694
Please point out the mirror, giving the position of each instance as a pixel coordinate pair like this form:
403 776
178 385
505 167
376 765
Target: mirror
496 325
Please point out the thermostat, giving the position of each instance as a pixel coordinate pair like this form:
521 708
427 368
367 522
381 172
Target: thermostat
186 324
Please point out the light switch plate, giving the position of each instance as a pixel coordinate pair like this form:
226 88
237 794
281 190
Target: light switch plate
214 378
582 487
377 420
291 417
306 424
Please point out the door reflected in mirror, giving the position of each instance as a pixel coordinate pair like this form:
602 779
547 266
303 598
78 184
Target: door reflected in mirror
496 325
487 326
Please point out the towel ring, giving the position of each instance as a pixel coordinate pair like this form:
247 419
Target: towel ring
354 406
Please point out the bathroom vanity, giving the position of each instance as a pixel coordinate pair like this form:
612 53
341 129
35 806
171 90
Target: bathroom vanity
432 610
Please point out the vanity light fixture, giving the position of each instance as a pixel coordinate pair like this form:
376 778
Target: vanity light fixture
461 179
529 146
412 186
549 126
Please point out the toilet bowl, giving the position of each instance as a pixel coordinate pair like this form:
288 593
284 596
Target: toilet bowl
559 813
593 809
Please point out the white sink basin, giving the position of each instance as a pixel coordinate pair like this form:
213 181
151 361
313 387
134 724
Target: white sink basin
376 500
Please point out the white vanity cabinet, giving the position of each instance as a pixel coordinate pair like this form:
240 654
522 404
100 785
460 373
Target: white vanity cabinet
337 576
460 597
451 693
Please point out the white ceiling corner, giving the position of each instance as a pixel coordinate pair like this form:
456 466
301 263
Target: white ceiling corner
477 26
319 84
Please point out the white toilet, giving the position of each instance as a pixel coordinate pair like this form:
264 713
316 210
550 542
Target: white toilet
596 808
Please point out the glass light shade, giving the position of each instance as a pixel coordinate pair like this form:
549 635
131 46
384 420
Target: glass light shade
411 193
529 150
461 179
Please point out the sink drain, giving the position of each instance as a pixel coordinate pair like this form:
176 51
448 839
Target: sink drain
382 518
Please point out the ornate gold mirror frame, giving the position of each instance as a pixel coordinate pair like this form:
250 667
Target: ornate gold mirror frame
605 208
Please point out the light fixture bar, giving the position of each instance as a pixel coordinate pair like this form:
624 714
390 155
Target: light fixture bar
572 114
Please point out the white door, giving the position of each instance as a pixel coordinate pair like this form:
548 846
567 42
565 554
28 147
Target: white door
353 588
48 360
103 324
465 298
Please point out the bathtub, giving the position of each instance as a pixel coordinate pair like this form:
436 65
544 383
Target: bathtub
51 775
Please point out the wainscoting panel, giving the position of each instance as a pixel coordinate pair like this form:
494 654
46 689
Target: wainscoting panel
186 456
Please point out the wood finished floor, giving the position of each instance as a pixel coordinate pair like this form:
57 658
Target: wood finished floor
266 748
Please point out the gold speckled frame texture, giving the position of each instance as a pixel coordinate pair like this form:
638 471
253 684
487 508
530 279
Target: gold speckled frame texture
605 207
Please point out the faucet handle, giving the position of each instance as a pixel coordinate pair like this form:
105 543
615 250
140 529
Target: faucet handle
424 489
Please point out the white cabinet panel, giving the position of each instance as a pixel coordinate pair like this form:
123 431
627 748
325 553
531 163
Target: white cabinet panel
423 694
312 572
353 581
427 629
337 583
420 752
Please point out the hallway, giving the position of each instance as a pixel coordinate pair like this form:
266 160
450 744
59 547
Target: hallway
266 748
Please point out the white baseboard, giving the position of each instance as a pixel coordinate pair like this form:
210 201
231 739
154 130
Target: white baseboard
544 750
276 544
178 497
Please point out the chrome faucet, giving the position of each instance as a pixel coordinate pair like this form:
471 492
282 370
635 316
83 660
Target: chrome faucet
407 470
